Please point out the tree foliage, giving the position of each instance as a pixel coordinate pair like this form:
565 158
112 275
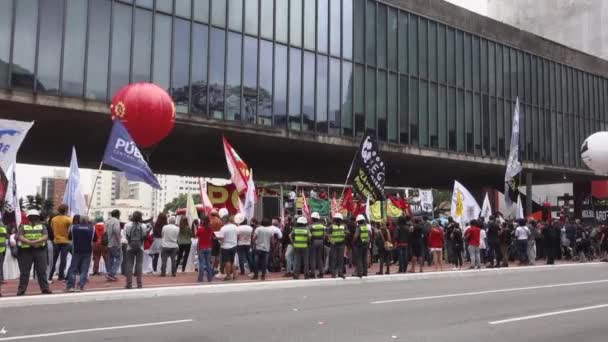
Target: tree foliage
180 202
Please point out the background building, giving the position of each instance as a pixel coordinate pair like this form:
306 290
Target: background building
53 188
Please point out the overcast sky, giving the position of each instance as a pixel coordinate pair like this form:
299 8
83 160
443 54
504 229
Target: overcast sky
479 6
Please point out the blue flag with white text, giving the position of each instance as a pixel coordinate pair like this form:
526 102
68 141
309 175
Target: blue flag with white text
123 154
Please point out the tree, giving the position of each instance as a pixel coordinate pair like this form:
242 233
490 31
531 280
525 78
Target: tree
180 202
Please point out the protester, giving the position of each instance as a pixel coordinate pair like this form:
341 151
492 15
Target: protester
436 245
385 247
169 247
449 245
99 250
184 242
3 243
60 225
135 233
228 237
157 233
113 237
416 241
288 247
473 238
317 231
337 234
494 252
550 231
361 244
83 237
204 233
457 245
483 243
243 249
531 248
522 234
300 237
262 237
505 237
404 229
33 238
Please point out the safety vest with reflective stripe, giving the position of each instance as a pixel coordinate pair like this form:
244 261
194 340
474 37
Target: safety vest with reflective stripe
364 233
3 236
318 231
33 233
300 237
338 234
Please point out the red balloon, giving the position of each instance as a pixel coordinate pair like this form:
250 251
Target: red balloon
146 110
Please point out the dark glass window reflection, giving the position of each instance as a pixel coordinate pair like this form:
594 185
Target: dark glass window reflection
347 29
233 77
235 15
75 48
295 18
370 99
280 86
359 99
121 47
266 17
181 65
370 33
381 38
359 30
162 51
334 96
335 26
265 91
6 19
381 110
142 46
216 73
250 79
98 47
251 17
295 88
393 99
24 49
281 16
49 45
404 122
323 25
200 46
321 104
308 92
347 98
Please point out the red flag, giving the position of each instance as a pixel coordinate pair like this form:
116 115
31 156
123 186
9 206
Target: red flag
239 171
402 204
347 200
207 206
334 207
305 207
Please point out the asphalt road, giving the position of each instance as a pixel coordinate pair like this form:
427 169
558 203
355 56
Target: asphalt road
560 304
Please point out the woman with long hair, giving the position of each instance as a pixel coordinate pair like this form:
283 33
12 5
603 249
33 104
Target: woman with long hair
184 241
157 233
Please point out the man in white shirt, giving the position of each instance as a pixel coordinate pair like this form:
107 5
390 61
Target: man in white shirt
521 234
228 236
243 248
262 238
169 246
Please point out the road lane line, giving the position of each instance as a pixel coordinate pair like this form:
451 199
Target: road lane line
464 294
548 314
71 332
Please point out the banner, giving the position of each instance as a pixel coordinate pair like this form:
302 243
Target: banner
464 207
239 171
513 163
12 134
224 196
368 169
486 209
250 198
426 200
191 211
123 154
520 209
73 196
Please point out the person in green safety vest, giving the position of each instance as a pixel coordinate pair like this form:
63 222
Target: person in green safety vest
317 231
3 243
337 236
300 236
361 245
32 250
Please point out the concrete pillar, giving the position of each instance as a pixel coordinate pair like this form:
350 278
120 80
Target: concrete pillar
528 193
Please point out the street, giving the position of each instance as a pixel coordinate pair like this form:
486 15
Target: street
543 304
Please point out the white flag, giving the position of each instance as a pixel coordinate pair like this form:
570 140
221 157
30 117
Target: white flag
513 163
520 208
12 134
464 207
73 196
486 209
12 197
191 213
250 198
207 206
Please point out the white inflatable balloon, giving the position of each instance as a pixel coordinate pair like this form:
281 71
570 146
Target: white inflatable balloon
594 152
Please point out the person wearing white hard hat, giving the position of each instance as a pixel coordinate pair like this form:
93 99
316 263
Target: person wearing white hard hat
317 231
361 246
300 236
243 249
32 250
337 237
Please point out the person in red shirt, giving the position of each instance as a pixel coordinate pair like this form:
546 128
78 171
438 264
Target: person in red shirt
99 250
471 236
436 245
204 233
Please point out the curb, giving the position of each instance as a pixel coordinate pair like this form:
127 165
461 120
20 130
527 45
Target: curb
169 291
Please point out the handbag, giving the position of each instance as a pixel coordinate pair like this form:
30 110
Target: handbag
388 245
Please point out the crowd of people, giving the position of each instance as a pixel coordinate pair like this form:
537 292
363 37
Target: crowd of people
231 247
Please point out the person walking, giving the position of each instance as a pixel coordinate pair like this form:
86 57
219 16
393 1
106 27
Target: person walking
416 245
113 236
522 234
243 249
169 246
262 237
457 245
32 238
99 250
83 237
549 233
404 229
337 238
473 238
60 225
204 233
385 247
135 233
300 236
361 240
317 231
184 242
436 245
228 237
157 244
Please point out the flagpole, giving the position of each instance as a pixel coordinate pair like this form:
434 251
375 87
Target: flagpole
349 172
94 186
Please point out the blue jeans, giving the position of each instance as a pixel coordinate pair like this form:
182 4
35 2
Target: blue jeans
60 252
204 265
289 259
80 263
114 260
402 251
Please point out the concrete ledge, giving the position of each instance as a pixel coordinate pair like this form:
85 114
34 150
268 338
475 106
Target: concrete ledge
71 298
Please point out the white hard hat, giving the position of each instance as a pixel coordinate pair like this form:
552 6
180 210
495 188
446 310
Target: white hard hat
239 218
33 212
360 218
338 216
315 215
302 220
223 212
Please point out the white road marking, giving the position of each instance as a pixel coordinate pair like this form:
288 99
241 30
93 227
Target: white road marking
515 289
554 313
71 332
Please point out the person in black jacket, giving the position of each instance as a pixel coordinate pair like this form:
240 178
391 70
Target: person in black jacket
550 232
494 243
404 229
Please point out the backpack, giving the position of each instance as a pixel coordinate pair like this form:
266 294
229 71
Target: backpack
136 237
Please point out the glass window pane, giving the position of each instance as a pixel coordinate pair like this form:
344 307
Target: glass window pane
295 89
370 98
121 47
201 10
469 122
6 19
308 99
392 39
485 117
218 14
423 114
477 124
266 17
459 58
505 72
467 61
162 51
145 3
142 46
183 8
335 27
432 42
452 118
403 48
334 96
476 63
74 50
381 105
251 17
414 110
280 86
393 100
513 75
217 45
98 47
492 68
295 17
24 48
370 28
200 46
323 25
164 6
432 116
404 122
233 77
359 99
347 99
460 121
235 15
181 65
413 44
321 104
250 79
441 54
49 45
381 36
359 30
422 48
442 117
310 13
282 14
484 66
451 58
347 29
500 129
265 92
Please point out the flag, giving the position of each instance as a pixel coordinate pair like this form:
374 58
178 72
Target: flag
464 207
73 196
486 209
335 209
305 208
426 200
12 197
239 171
368 209
122 153
520 209
207 206
191 212
348 202
12 134
250 198
513 163
368 169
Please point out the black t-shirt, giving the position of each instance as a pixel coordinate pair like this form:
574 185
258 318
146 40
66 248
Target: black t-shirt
493 231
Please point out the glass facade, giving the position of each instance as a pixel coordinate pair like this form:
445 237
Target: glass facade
335 67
